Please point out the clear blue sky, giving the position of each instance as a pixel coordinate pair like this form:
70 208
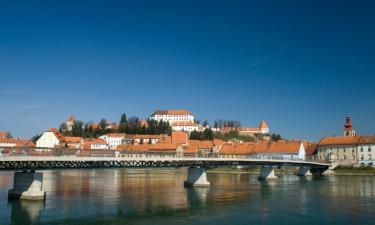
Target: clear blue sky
299 65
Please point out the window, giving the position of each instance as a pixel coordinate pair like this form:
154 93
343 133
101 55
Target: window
361 149
369 149
362 157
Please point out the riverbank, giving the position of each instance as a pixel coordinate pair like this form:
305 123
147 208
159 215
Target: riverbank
252 170
350 170
340 170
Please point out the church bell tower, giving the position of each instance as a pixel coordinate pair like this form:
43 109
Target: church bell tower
348 127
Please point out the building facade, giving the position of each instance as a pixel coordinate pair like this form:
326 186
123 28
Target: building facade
173 116
115 139
184 126
50 139
347 150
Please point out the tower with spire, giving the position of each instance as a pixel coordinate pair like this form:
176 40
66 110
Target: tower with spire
348 127
70 122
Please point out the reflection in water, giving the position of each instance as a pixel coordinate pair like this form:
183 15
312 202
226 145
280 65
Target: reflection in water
157 196
26 211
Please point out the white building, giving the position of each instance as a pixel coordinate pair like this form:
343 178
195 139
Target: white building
184 126
54 139
347 150
366 150
280 149
95 143
50 139
115 139
173 116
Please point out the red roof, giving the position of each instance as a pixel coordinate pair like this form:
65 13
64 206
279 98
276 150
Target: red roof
58 135
115 135
18 142
263 125
201 144
184 123
92 141
278 146
310 148
72 139
4 134
237 148
346 140
179 137
149 147
248 129
172 112
342 140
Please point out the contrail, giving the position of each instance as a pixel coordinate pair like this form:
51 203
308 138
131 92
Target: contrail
259 61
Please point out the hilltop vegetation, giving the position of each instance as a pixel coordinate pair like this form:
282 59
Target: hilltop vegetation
133 125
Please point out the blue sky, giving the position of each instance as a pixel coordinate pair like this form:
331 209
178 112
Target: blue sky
299 65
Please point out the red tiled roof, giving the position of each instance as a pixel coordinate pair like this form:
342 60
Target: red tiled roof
339 140
116 135
179 137
18 142
92 141
184 123
344 140
172 112
149 147
278 147
4 134
72 139
58 135
263 124
367 140
249 129
237 148
144 136
218 142
201 144
310 148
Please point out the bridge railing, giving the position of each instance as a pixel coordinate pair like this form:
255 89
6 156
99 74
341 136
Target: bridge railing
66 152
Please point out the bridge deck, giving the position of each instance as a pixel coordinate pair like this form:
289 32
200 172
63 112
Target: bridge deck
61 162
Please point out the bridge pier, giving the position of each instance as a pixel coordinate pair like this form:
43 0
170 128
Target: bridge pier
196 177
267 172
304 171
27 185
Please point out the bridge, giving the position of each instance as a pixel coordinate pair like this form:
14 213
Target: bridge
28 183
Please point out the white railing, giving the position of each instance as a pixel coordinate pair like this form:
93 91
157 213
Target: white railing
65 152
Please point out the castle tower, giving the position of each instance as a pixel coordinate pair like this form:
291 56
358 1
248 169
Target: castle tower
70 122
348 127
263 126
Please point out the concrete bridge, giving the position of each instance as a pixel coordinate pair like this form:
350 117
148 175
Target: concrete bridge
28 183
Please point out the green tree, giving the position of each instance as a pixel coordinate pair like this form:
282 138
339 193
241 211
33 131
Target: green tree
276 137
123 123
35 137
102 124
77 129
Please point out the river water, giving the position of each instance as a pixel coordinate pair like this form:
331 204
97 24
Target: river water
157 196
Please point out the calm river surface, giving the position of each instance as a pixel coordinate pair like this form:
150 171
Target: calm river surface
157 196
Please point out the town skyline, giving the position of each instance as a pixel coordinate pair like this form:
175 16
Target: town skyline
249 61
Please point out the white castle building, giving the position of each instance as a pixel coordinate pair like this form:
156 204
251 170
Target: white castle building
173 116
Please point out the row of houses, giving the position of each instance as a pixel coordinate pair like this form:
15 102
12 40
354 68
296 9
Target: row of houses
176 143
52 138
6 140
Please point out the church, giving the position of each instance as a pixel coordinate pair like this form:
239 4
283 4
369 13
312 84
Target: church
349 149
